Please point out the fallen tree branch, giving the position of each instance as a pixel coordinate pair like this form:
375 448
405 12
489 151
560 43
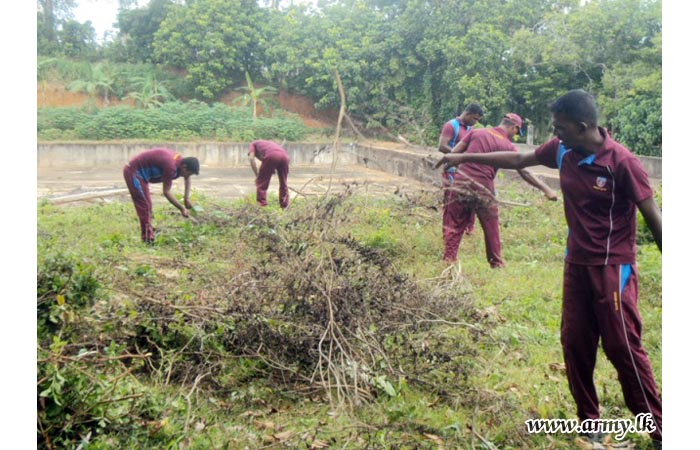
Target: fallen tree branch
85 196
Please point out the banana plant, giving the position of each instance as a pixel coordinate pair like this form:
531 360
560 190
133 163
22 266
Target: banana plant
253 96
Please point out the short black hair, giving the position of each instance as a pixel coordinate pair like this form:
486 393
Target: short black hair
474 108
192 164
578 105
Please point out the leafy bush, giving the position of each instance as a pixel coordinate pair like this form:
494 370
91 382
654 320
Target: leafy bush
60 118
638 124
65 285
62 69
172 121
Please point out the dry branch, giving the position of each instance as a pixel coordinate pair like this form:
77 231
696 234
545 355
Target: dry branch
85 196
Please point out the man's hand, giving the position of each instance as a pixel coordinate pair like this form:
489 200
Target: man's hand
448 161
551 195
188 204
185 213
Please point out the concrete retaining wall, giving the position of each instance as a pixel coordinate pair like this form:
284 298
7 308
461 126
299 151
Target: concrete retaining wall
80 155
411 163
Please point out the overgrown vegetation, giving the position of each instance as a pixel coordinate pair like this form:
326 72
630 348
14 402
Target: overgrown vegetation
332 324
407 66
172 121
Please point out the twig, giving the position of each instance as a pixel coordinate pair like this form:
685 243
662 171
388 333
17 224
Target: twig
482 439
341 114
298 192
44 433
189 403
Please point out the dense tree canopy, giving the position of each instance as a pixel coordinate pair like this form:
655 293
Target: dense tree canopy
406 65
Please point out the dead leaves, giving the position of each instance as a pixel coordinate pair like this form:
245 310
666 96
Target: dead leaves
437 440
275 434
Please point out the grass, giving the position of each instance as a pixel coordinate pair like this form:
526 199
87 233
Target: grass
468 382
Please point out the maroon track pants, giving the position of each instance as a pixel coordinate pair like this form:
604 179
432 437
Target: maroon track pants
141 196
458 218
273 161
600 303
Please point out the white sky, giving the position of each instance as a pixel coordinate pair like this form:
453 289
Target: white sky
102 14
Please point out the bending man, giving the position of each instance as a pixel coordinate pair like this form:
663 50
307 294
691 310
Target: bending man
159 165
273 158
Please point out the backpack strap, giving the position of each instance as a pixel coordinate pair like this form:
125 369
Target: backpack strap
455 126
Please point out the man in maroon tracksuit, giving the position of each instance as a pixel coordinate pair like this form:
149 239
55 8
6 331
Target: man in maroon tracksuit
159 165
478 179
452 132
274 158
603 184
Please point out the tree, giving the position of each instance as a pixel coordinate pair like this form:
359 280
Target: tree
577 47
216 41
77 39
100 83
630 100
151 93
137 28
50 15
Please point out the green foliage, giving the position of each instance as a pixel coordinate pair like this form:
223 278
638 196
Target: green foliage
150 92
638 124
101 81
644 235
171 121
77 40
254 95
60 118
66 285
75 406
213 40
62 69
58 34
140 25
406 66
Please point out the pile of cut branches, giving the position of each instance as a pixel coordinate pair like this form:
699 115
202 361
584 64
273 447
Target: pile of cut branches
294 297
316 305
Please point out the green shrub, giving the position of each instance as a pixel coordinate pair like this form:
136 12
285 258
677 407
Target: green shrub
65 286
172 121
60 118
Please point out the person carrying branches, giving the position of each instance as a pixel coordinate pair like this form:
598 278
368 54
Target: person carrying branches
473 190
158 165
452 132
603 185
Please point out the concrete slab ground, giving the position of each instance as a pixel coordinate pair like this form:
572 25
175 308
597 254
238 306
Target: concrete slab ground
225 173
228 182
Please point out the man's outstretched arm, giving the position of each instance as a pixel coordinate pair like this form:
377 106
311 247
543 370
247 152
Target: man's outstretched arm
500 160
